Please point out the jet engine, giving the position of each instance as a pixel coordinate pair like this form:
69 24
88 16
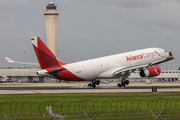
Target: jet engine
150 71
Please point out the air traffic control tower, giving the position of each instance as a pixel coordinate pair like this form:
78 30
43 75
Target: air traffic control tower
51 15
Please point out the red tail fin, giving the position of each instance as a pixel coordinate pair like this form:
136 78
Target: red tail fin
45 57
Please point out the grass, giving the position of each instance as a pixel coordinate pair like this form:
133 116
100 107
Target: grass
117 104
94 96
86 96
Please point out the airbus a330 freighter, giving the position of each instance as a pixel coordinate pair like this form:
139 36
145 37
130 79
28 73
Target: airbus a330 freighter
146 61
114 66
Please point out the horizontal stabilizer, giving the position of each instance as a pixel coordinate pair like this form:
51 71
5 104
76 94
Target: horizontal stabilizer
27 63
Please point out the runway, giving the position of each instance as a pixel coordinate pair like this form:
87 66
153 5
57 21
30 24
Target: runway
86 91
137 84
82 88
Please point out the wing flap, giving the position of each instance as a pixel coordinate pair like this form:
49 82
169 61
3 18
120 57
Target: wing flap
161 61
130 69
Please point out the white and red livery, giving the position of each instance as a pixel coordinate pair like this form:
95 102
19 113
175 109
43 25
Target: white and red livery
114 66
120 66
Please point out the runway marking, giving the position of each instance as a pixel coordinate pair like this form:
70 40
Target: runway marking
116 91
35 92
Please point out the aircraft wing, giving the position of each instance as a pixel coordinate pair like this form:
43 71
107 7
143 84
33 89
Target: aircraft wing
122 71
161 61
12 61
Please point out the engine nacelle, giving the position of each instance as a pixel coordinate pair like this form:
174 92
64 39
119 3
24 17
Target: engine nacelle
151 71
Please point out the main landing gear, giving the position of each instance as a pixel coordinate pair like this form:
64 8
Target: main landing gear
94 83
123 83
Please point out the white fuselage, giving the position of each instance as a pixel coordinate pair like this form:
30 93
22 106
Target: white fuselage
104 67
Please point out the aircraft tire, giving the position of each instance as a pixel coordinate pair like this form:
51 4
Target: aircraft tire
126 82
89 84
119 85
97 82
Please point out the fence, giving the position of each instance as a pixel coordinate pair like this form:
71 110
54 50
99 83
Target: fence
86 109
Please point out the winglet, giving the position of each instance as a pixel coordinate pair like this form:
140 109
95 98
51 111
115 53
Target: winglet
9 60
170 54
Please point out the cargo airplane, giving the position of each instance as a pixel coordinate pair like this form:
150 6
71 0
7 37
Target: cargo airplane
120 66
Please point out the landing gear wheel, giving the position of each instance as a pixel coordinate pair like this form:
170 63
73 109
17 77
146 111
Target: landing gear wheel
119 85
123 83
126 82
93 84
97 82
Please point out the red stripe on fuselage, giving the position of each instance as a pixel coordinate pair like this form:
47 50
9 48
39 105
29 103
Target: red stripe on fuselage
66 75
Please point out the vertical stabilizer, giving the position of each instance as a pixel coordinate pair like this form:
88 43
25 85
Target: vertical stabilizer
45 57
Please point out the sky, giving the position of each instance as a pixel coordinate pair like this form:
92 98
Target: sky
89 29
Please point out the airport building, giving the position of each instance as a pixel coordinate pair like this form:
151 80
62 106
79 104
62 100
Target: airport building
27 75
165 76
51 15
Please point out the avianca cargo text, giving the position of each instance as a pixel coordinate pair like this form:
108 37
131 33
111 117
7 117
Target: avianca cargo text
143 55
